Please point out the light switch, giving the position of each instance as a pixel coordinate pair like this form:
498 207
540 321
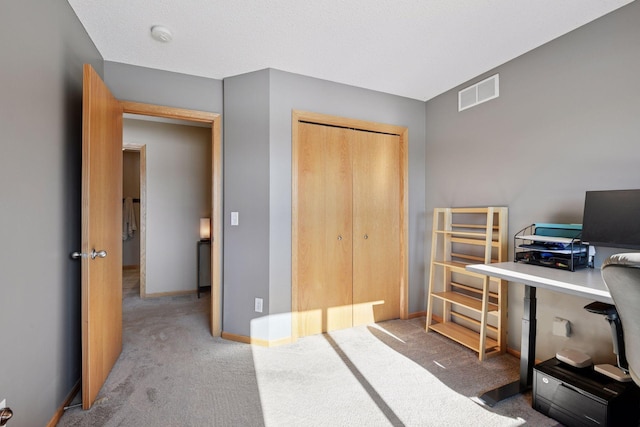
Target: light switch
234 218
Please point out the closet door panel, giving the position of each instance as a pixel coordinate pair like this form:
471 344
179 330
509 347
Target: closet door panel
376 237
324 229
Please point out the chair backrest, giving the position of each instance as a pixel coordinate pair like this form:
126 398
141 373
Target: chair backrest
621 274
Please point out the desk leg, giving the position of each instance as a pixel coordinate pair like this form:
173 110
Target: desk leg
528 344
527 353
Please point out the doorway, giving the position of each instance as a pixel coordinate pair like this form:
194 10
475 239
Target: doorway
175 178
131 226
188 117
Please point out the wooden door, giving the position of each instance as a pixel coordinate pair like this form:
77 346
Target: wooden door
376 227
324 230
101 231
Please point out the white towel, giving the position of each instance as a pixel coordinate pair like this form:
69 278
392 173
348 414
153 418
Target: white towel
128 219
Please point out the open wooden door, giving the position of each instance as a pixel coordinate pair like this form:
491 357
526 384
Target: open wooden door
101 234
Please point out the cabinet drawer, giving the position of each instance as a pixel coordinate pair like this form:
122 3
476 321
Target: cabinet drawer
558 396
562 415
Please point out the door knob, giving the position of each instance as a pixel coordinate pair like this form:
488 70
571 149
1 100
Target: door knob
99 254
94 254
5 415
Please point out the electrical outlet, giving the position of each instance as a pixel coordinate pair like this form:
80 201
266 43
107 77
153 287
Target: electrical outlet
258 305
561 327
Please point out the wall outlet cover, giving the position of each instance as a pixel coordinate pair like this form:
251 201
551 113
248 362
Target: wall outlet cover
561 327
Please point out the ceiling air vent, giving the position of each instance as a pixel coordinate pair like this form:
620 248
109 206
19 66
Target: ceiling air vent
478 93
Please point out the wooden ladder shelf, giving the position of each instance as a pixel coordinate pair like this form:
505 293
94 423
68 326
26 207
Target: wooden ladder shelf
468 307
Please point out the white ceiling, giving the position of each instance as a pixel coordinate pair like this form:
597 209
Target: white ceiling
413 48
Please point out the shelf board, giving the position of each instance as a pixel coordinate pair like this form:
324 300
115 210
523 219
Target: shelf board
464 300
464 336
474 210
472 289
476 321
471 258
478 226
476 242
459 267
472 234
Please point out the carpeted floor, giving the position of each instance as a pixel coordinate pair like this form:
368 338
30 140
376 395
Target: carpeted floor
173 373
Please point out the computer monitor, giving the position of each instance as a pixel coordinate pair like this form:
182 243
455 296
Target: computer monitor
612 218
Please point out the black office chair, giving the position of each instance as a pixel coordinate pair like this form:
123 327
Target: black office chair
621 275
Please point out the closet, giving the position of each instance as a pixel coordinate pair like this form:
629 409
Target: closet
349 231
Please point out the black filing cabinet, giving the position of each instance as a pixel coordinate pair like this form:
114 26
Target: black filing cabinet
584 397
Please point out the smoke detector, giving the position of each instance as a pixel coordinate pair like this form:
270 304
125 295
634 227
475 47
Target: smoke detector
162 34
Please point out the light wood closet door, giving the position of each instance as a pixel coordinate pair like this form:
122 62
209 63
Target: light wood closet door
324 229
376 227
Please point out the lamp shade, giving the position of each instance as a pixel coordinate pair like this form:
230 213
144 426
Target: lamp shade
205 228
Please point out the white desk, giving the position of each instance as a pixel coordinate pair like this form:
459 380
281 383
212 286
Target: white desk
586 283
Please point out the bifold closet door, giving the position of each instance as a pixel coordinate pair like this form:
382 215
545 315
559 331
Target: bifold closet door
376 227
324 230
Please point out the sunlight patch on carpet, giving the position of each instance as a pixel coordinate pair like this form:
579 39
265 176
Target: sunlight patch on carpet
381 329
311 382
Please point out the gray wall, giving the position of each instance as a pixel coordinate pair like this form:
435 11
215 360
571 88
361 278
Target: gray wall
178 187
40 130
245 133
566 121
246 191
140 84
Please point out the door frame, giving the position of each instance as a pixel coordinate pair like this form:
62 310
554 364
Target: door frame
402 132
214 119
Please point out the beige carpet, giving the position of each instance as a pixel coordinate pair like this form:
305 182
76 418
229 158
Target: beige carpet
173 373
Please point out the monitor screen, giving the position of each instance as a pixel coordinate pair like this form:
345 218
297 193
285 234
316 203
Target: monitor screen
612 218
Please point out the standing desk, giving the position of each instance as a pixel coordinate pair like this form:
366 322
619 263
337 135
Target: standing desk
586 283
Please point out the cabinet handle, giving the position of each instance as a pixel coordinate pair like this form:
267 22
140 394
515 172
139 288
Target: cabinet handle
339 237
366 236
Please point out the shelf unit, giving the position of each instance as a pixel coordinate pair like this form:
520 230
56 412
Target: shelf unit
552 245
467 307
